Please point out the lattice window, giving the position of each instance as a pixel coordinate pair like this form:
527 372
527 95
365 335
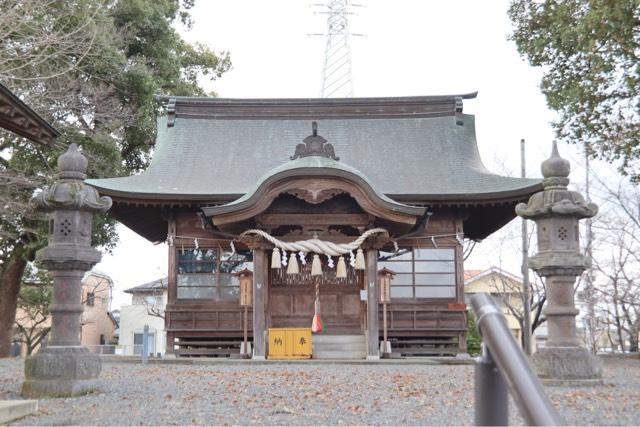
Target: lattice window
206 273
424 273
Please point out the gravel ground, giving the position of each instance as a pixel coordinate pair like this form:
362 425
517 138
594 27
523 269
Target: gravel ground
298 394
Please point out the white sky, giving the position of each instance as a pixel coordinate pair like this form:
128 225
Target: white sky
412 47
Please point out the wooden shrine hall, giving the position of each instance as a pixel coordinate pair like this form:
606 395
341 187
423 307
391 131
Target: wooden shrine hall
315 197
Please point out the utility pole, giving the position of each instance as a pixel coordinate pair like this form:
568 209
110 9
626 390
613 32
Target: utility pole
588 291
526 286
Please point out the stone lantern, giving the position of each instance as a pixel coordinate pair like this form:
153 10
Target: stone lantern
556 211
64 367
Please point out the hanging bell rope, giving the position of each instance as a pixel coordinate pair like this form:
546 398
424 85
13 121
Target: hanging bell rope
317 326
315 245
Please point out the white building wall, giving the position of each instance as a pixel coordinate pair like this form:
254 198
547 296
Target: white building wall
132 321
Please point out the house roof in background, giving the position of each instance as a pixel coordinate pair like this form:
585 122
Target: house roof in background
471 276
468 274
152 286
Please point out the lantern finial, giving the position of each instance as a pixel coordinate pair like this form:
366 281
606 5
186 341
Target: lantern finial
555 169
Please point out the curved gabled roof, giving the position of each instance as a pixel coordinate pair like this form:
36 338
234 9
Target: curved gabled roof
318 167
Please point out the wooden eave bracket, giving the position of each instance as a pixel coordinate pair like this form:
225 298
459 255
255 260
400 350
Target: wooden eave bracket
18 118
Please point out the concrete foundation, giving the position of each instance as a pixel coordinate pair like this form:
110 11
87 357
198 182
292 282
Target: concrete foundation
567 366
61 372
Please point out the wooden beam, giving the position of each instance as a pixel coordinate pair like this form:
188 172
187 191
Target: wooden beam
315 219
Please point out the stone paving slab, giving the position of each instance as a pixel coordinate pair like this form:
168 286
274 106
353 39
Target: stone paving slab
229 361
11 410
311 394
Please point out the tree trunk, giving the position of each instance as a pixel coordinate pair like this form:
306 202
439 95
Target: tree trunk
10 279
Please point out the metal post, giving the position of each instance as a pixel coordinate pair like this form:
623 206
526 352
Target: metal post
492 404
145 343
526 286
528 394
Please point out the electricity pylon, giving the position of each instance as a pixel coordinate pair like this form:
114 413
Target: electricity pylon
336 73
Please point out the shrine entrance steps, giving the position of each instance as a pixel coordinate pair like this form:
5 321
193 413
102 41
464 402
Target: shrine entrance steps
339 347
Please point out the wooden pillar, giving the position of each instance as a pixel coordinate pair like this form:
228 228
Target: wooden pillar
172 290
371 283
459 263
260 282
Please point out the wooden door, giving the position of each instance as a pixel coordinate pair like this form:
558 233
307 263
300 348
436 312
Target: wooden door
291 301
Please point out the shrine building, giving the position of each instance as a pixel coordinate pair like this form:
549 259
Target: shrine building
315 197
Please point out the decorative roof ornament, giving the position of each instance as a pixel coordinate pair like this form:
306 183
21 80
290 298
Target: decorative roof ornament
314 145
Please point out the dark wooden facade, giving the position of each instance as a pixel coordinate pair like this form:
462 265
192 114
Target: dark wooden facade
403 148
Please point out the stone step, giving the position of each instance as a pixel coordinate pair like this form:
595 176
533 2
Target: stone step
339 347
339 354
338 338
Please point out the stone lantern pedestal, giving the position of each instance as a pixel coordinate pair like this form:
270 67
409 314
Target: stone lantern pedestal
556 211
65 368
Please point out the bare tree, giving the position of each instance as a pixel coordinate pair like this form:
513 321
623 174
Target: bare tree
153 303
512 298
152 297
617 263
506 247
33 322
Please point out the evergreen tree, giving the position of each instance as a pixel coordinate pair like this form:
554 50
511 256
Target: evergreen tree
474 340
590 54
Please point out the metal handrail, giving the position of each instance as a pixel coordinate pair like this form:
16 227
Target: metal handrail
501 350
